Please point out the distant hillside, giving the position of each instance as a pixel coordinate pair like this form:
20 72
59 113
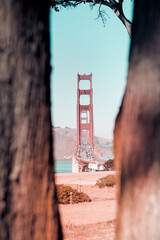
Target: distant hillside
65 141
105 146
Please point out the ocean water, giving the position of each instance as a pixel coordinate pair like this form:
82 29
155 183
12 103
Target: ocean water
107 158
63 166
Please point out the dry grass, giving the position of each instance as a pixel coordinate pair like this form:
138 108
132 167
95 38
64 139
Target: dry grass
64 195
108 181
96 231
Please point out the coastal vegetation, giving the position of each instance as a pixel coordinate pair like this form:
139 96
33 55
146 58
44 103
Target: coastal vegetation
67 195
108 181
109 165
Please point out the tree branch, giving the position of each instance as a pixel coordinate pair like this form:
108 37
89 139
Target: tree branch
101 14
116 6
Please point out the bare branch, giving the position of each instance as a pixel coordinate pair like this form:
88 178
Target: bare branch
116 6
54 3
102 14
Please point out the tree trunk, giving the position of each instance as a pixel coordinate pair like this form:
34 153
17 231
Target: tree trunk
28 208
137 131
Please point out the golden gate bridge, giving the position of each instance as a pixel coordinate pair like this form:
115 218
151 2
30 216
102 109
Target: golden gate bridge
86 156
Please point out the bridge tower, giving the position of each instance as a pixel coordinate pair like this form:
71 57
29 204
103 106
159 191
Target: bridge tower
85 126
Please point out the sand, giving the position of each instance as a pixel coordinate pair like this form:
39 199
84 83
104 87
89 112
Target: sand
94 220
83 178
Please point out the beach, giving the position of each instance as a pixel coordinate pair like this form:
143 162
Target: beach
93 220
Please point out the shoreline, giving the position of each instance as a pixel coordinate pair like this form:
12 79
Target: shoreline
82 178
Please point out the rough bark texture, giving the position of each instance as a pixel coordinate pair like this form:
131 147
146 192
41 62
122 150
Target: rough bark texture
27 193
137 132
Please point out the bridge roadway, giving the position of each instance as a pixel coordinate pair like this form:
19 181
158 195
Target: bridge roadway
99 162
84 155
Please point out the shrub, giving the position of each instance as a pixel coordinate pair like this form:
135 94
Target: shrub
109 165
108 181
63 195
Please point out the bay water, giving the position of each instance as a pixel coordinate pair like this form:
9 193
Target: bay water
63 166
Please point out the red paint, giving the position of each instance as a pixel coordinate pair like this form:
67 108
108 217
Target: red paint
87 110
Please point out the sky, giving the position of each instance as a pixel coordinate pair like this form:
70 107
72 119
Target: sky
82 44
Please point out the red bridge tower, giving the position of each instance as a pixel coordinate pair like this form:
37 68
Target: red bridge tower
85 127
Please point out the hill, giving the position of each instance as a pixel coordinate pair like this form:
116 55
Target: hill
65 141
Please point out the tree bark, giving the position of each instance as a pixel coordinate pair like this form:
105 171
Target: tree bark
137 131
28 208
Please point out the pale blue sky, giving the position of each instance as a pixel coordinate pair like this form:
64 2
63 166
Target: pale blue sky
79 43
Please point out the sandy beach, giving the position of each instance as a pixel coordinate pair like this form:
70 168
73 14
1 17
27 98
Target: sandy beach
93 220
